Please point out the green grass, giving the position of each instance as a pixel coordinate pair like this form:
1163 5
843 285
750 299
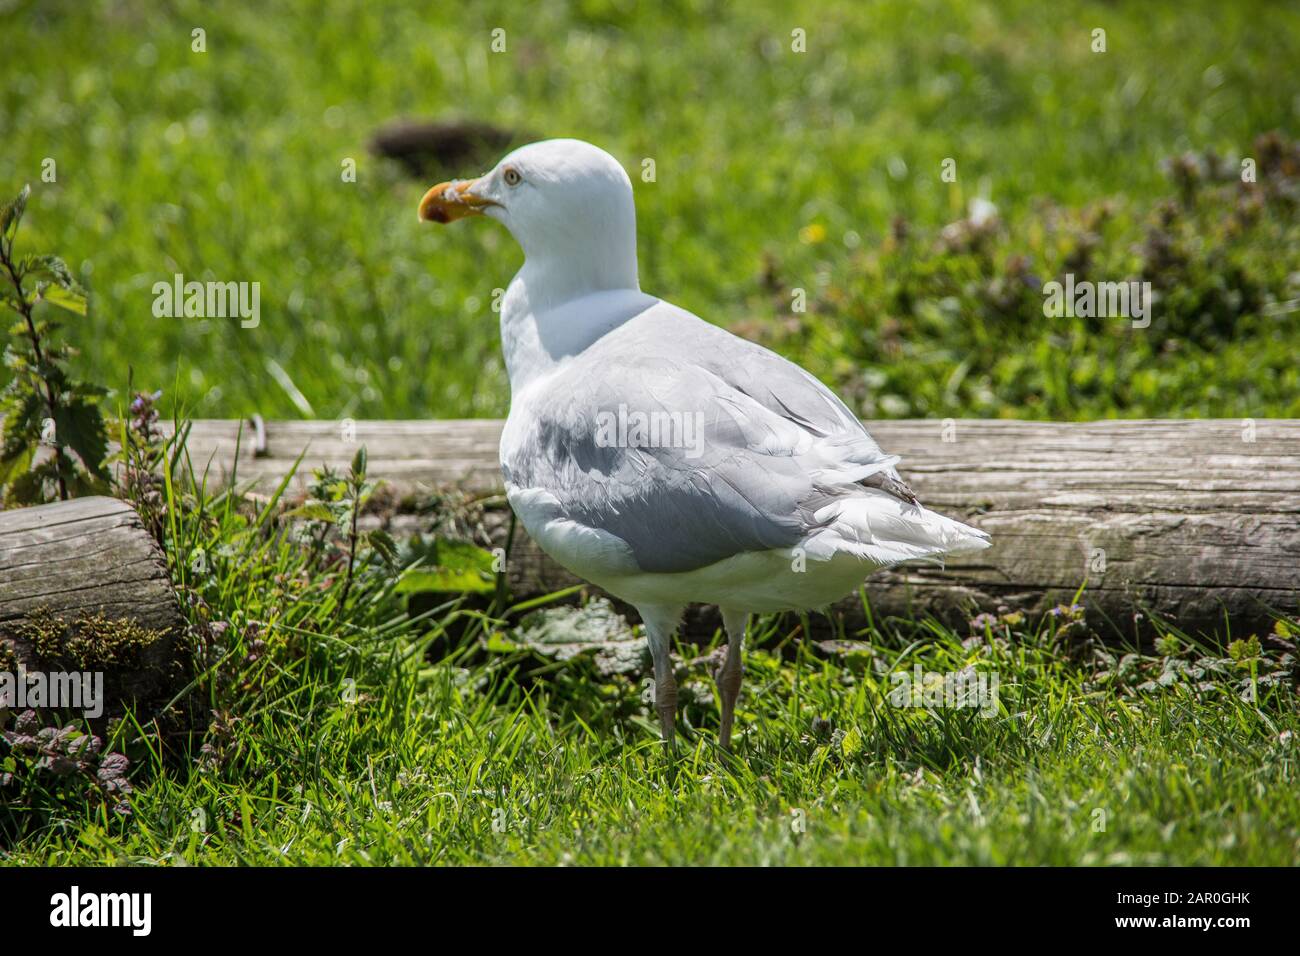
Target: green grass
338 739
349 731
226 165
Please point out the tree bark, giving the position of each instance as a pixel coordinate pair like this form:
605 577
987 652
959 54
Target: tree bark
84 587
1194 520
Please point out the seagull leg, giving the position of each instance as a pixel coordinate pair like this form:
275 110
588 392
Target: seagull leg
660 625
729 674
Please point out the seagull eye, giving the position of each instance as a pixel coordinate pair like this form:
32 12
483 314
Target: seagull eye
512 177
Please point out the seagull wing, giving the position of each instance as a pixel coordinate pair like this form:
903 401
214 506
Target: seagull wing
687 443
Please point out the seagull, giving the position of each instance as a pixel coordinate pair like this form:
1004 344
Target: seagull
658 456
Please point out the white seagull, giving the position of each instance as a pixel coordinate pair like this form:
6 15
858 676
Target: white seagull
660 457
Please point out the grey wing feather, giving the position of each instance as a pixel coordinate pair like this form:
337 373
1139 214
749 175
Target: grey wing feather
762 445
679 506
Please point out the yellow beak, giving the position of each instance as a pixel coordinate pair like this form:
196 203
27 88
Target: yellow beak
447 202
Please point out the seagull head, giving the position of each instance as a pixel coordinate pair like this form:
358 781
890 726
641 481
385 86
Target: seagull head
567 203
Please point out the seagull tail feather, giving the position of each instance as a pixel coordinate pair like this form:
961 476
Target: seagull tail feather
882 528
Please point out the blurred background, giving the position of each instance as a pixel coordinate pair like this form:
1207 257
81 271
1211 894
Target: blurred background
774 170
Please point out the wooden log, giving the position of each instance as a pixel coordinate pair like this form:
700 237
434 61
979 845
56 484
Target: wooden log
1192 520
85 588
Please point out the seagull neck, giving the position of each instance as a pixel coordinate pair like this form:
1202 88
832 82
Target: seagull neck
535 338
552 278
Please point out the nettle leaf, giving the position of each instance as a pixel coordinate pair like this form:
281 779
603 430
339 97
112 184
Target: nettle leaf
1245 650
56 284
22 412
564 633
458 566
79 425
51 268
852 743
36 485
363 491
384 545
81 483
29 488
16 361
13 469
88 391
11 213
40 387
312 511
52 374
72 301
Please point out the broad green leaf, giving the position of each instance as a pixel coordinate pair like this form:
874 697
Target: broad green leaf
81 484
68 299
1245 650
28 488
499 643
54 282
312 511
50 268
594 629
79 425
851 745
443 581
11 213
458 567
14 466
22 412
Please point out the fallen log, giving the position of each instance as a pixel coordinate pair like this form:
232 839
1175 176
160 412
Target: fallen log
84 589
1197 521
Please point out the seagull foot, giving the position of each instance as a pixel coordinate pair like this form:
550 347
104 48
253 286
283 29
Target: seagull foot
668 730
728 678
